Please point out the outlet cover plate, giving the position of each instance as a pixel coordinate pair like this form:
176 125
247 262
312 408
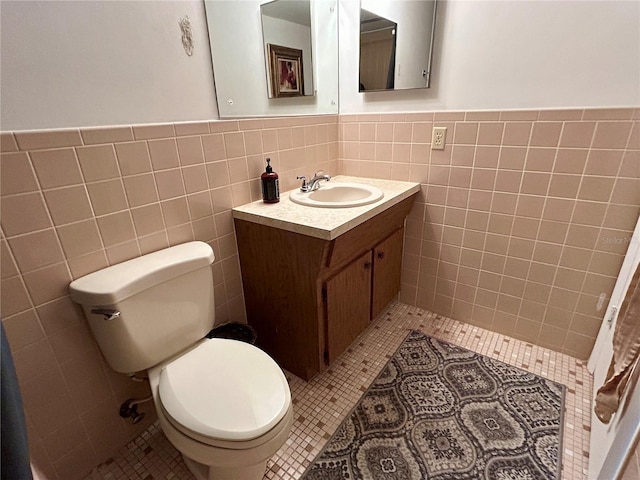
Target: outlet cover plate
438 138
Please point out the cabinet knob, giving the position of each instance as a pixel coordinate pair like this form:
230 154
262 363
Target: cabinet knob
367 265
380 255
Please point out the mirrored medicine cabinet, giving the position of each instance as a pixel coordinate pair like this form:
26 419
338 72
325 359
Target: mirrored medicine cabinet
280 57
396 44
274 58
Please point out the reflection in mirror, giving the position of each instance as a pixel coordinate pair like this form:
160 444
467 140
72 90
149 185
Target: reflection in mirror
396 41
240 70
377 52
286 33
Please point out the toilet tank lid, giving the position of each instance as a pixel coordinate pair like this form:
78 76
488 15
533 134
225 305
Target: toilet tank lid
118 282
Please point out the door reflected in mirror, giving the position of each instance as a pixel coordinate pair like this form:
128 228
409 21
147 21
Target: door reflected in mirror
286 33
377 52
396 44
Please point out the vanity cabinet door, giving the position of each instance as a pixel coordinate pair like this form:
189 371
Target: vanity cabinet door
387 265
348 305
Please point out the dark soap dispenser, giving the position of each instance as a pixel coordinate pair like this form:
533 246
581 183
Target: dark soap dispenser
270 187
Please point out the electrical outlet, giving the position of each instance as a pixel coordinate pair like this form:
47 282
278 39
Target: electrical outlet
438 138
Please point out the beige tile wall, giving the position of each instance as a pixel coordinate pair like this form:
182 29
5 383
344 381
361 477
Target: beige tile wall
524 217
522 223
75 201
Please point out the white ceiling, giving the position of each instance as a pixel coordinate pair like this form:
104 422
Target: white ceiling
295 11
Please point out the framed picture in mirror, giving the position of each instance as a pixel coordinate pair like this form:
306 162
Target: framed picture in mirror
286 74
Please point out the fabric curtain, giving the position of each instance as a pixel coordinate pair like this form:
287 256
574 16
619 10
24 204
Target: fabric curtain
15 449
626 351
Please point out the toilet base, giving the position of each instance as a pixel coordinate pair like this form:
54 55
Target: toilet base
202 472
199 471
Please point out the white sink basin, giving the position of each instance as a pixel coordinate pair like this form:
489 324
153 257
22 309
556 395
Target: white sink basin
338 195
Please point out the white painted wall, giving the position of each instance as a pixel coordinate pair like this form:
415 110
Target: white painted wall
293 35
72 64
513 55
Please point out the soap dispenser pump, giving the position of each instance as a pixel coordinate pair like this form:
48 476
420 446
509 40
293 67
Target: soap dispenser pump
270 186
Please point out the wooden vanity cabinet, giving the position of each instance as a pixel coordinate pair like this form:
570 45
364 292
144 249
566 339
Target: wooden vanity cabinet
347 303
308 298
387 257
358 293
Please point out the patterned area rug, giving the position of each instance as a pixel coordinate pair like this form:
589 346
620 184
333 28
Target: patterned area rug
437 411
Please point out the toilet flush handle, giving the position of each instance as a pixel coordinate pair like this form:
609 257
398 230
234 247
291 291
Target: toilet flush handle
109 314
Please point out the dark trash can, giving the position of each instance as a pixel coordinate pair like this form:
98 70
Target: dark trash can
234 331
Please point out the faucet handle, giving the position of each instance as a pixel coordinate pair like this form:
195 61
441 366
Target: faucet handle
304 187
318 173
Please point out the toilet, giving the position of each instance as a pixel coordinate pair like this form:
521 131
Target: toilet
224 404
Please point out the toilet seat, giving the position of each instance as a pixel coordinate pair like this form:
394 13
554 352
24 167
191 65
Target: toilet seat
224 389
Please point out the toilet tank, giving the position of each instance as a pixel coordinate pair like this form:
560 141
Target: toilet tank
164 300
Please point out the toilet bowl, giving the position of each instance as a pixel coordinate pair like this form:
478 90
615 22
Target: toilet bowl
224 404
228 420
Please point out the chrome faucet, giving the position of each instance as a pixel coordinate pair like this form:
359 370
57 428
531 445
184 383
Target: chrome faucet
314 183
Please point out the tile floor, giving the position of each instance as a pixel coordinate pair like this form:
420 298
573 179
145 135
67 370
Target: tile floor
321 404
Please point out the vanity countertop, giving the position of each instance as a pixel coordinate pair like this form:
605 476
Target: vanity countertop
325 223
